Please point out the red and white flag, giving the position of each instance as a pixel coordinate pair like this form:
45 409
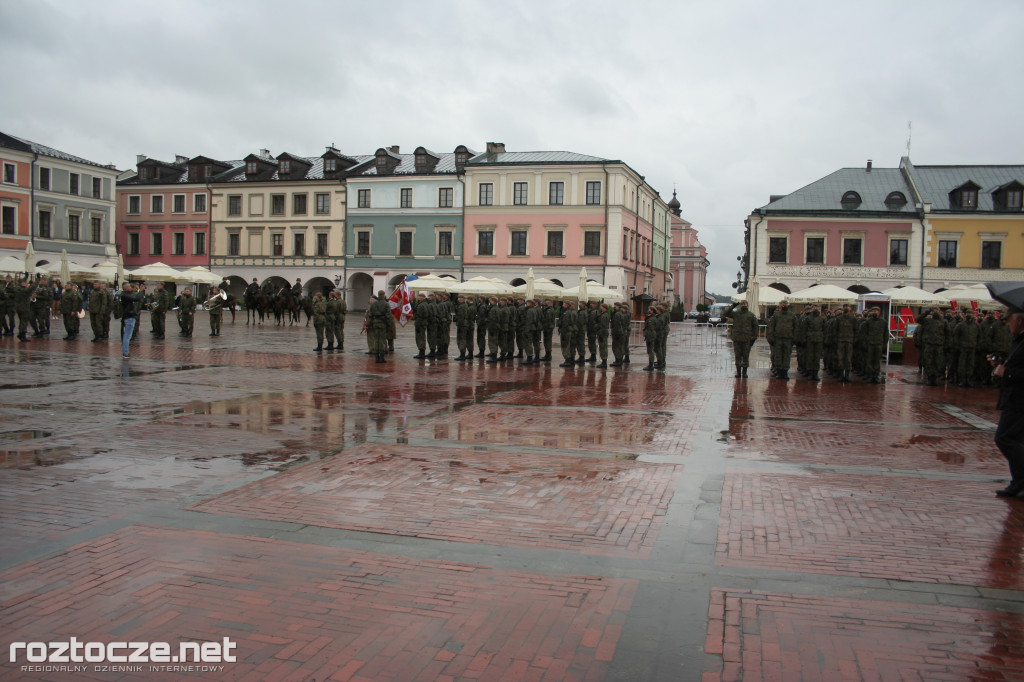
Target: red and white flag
401 303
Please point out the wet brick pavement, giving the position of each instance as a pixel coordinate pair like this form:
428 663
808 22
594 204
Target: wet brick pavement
339 519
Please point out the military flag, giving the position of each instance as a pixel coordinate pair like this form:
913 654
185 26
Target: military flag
401 301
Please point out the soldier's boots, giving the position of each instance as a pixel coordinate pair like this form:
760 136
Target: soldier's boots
520 355
617 363
625 360
330 346
528 360
569 362
592 358
739 372
845 378
420 355
492 357
603 365
380 357
318 349
481 354
649 368
744 372
23 337
581 361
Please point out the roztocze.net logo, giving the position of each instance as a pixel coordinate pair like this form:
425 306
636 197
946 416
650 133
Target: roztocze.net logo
74 651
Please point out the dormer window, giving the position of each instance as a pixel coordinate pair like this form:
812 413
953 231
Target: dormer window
461 158
207 171
285 166
1008 197
382 162
250 167
421 159
895 201
1013 198
330 165
968 198
850 200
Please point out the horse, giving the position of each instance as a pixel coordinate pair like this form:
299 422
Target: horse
286 304
256 305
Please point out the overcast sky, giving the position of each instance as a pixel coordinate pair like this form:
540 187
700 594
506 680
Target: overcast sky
727 102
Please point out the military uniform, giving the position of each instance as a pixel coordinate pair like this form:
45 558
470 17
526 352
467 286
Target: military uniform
621 323
23 306
9 310
319 319
604 321
216 314
651 334
781 328
534 331
814 336
99 312
43 295
465 318
70 305
377 326
744 334
845 330
966 340
876 334
482 309
421 321
187 313
568 327
549 318
158 315
933 342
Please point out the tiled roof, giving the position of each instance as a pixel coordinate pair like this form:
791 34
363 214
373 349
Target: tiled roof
315 172
407 165
936 182
43 150
825 194
182 177
535 157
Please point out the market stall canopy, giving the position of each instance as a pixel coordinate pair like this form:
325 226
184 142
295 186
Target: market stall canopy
12 265
542 288
431 283
594 292
823 293
482 286
74 272
104 272
965 295
158 272
200 275
765 296
913 296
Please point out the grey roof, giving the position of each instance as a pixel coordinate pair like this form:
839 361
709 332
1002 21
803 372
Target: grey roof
182 177
936 182
824 195
43 150
315 171
535 157
407 165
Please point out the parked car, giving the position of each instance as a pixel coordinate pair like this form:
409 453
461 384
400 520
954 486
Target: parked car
693 314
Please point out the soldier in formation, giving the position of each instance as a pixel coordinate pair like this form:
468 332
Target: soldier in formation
377 325
216 307
70 306
334 327
186 313
744 333
781 330
158 311
101 305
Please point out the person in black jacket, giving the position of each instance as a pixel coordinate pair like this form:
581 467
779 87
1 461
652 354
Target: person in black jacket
1010 431
130 304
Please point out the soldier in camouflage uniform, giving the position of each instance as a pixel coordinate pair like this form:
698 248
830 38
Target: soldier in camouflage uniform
781 328
744 331
568 327
876 335
421 325
966 339
70 305
377 325
319 319
845 329
187 313
158 315
465 319
933 342
549 319
604 321
99 311
620 333
483 307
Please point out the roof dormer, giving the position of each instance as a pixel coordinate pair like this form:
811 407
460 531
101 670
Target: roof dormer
258 165
462 156
203 168
425 160
965 196
895 201
1009 196
335 161
850 200
291 166
385 161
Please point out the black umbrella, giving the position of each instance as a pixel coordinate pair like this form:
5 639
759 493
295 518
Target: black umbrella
1008 293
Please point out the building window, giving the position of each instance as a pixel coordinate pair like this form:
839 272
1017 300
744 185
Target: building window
199 243
156 244
97 188
299 204
277 244
898 252
520 194
156 203
235 204
323 203
45 224
444 243
518 247
592 243
363 243
250 167
1013 198
10 220
73 183
555 239
178 205
276 204
485 243
134 204
96 230
234 244
625 246
815 251
285 166
330 165
850 200
991 253
298 245
74 227
405 243
199 203
406 199
486 194
947 253
895 201
133 243
968 198
777 249
556 193
461 158
445 197
321 244
44 178
593 193
179 244
852 251
363 200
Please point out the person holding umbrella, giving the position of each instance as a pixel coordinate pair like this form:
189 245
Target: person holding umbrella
1009 436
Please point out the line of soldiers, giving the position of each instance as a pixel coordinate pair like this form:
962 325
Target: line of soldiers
29 302
329 320
955 347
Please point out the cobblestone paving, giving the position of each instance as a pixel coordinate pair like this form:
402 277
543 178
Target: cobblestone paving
607 507
338 518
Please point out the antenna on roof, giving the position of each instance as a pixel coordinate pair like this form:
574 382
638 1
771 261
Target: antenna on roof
908 137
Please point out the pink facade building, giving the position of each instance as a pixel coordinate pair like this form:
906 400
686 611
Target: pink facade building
689 262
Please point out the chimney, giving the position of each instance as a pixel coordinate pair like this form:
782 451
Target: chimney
180 160
869 166
265 153
393 149
495 147
139 158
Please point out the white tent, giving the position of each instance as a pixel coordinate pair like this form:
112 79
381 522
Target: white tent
201 275
431 283
158 272
482 286
913 296
765 296
964 295
823 293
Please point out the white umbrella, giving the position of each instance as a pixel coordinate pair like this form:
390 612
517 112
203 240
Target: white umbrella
753 295
65 270
582 288
431 283
542 288
593 292
120 268
14 265
481 286
158 272
763 296
913 296
823 293
105 271
966 294
529 284
30 258
201 275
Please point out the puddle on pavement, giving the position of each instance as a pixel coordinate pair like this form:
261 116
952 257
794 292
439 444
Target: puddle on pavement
724 436
46 457
27 434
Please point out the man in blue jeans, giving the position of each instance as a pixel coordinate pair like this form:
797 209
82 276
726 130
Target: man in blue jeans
1010 432
130 302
